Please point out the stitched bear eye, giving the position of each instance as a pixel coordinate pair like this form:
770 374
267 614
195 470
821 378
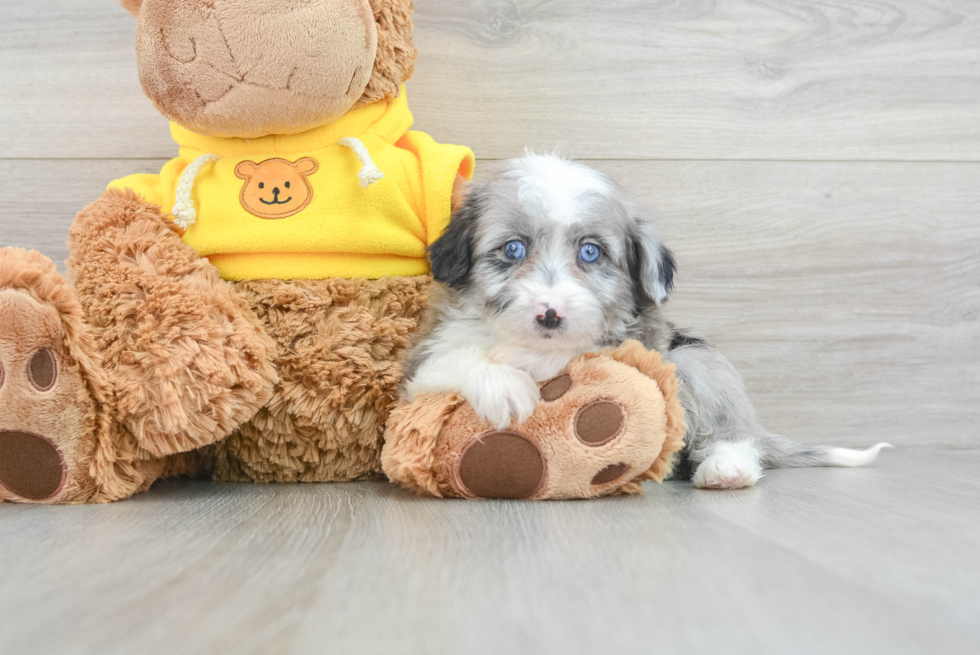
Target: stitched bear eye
287 185
261 185
515 250
589 253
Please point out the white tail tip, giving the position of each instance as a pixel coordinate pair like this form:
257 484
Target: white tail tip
850 457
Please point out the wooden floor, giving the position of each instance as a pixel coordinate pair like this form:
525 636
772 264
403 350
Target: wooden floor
877 560
814 165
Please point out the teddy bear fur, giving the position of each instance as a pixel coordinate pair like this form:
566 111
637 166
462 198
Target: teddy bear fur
163 368
607 423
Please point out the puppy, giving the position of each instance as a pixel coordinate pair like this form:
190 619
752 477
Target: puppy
547 260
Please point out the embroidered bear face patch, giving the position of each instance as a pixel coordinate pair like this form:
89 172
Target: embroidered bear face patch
276 188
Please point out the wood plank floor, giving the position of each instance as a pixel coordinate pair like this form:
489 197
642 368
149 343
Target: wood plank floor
877 560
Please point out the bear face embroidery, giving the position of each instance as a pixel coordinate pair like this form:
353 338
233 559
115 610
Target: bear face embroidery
276 188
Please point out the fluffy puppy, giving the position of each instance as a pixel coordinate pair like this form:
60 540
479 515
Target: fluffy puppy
547 260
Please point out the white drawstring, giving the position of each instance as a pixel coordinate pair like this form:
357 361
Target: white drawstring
183 211
370 173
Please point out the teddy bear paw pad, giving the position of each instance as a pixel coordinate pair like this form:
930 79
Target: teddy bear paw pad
599 422
554 389
610 473
501 465
30 465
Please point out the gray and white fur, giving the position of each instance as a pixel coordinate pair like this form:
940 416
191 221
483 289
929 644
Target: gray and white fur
520 296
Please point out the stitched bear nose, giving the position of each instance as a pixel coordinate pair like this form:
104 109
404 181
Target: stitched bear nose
550 319
275 191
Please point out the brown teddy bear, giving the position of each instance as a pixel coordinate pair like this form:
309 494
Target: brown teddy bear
240 315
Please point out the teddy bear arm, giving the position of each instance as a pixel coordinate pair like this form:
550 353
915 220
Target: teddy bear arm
186 356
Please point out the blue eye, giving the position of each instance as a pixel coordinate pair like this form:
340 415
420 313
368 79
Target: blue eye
589 253
515 250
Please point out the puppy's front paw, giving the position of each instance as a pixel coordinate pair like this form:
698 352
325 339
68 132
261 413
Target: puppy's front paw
503 393
730 466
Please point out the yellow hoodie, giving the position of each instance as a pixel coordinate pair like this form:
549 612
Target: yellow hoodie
361 197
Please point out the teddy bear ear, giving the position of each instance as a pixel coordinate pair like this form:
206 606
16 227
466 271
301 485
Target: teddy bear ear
307 166
394 62
132 6
246 169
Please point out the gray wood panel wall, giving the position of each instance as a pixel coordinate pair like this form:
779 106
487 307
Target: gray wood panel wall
814 165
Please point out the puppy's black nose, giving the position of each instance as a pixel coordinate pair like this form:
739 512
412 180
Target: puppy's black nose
550 320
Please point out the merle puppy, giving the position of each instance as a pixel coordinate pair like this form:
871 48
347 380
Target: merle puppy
547 260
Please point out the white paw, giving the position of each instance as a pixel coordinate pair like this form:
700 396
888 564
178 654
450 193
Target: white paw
730 466
501 394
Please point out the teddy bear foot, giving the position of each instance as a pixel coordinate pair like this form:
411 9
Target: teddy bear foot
46 412
512 465
603 427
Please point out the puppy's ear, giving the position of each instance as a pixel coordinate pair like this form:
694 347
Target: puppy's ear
452 253
652 265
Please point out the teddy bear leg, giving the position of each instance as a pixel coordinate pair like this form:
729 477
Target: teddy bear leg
56 442
602 427
188 359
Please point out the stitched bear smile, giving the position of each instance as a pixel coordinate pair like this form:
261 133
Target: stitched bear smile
275 201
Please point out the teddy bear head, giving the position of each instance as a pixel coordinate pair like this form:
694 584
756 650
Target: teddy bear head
276 188
249 68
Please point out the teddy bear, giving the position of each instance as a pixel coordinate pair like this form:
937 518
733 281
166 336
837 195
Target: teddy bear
275 176
240 315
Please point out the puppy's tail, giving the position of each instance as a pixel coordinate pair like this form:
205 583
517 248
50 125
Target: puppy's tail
780 452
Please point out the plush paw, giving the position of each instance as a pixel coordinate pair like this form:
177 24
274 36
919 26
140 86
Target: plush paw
603 426
509 464
729 466
502 394
597 430
46 431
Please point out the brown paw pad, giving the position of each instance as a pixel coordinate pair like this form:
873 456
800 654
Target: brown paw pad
501 465
599 422
610 473
554 389
30 465
43 370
